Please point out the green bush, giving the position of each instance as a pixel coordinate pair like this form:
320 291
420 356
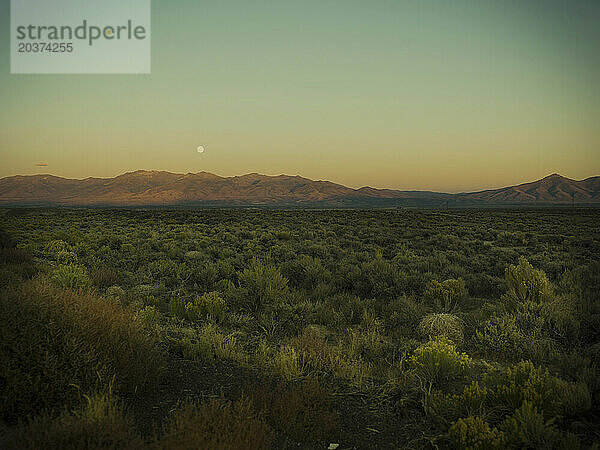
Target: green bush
437 362
306 272
105 276
528 429
54 248
508 389
207 305
501 392
148 316
535 331
445 326
177 308
402 316
474 433
377 278
262 285
445 296
209 343
526 284
72 276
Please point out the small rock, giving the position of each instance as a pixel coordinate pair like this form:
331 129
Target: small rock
333 446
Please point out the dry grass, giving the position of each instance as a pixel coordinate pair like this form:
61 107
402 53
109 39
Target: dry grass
302 411
216 425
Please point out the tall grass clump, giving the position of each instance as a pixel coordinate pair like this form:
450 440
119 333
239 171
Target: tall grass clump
442 325
58 344
289 363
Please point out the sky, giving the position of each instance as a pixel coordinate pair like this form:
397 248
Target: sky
402 94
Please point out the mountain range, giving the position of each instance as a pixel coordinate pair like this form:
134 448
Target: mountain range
159 188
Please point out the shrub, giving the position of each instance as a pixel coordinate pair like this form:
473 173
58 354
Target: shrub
72 276
262 285
307 272
314 349
303 411
445 296
54 248
503 391
402 315
445 326
473 433
209 343
523 382
501 338
527 428
64 257
104 277
531 331
377 278
437 362
148 316
216 424
58 343
525 284
115 293
101 423
207 305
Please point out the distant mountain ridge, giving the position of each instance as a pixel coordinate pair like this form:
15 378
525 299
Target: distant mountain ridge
160 188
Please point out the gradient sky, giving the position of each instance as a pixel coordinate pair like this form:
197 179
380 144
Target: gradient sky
408 94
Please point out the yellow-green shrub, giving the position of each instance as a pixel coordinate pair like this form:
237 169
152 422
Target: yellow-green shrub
445 296
474 433
438 361
526 284
72 276
207 305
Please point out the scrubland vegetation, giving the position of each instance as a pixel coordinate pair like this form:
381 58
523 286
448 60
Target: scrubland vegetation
370 329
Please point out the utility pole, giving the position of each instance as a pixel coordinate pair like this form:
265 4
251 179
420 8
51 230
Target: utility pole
573 199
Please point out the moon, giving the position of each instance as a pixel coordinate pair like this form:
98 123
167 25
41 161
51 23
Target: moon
200 149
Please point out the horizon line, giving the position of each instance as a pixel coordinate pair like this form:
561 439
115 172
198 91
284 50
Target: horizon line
555 174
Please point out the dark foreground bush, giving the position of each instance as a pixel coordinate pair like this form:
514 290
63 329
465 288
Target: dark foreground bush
216 425
56 344
301 411
101 423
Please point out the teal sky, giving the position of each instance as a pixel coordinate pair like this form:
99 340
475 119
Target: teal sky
425 94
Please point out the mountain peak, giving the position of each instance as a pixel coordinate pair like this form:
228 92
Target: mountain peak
156 187
554 176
